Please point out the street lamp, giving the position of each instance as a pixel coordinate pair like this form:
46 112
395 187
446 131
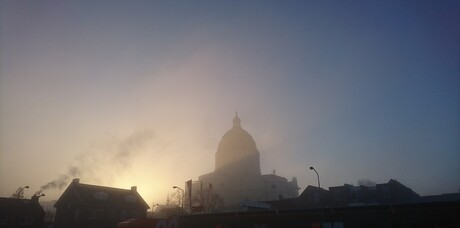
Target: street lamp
182 198
311 168
319 194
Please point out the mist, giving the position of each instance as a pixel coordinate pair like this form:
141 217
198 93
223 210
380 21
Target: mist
133 95
103 162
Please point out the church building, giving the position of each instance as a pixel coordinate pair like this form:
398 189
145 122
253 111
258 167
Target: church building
237 176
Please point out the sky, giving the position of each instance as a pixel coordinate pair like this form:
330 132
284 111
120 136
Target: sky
139 93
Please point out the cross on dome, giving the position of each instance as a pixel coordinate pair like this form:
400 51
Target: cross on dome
236 121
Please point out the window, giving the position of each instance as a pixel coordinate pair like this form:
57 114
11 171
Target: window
130 198
96 213
101 195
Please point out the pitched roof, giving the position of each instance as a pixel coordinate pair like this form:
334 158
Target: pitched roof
94 195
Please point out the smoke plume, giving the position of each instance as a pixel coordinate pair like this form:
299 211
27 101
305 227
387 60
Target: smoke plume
62 181
106 159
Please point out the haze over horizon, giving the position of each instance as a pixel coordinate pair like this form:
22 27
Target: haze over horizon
139 93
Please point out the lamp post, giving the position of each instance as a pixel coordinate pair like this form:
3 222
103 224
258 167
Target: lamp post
319 185
319 194
182 198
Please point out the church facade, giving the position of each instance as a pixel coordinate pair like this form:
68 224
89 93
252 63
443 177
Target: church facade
237 176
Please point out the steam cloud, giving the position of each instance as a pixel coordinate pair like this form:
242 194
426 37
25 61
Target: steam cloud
117 154
60 182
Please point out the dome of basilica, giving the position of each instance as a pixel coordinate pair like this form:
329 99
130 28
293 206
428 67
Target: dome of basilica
237 176
237 150
237 140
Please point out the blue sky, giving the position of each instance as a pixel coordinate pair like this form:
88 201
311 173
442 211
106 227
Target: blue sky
358 89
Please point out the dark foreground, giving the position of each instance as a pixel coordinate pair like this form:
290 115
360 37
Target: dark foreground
439 214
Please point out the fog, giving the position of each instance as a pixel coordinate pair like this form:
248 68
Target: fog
140 94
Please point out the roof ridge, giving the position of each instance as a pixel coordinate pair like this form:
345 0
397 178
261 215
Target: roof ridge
104 187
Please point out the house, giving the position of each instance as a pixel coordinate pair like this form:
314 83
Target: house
392 192
98 206
395 192
313 196
16 212
347 195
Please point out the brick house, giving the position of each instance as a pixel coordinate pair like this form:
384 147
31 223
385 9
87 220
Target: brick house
98 206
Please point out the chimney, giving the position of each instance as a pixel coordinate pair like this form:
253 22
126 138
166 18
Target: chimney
34 198
76 180
134 188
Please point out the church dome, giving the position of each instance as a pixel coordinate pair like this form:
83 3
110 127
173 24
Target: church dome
237 139
237 147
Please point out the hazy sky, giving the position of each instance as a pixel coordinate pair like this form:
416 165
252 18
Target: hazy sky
123 93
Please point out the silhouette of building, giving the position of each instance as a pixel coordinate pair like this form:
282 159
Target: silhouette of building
16 212
387 193
313 196
392 192
237 175
98 206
